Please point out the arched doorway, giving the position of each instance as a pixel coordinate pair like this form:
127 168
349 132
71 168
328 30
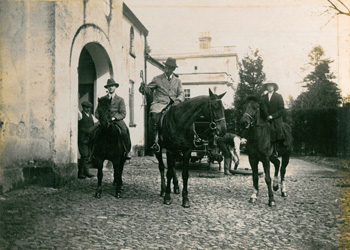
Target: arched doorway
94 69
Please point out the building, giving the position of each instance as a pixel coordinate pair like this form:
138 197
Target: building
211 67
52 52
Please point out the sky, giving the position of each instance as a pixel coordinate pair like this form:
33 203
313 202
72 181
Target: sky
284 31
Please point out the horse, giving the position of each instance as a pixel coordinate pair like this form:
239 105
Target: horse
177 135
260 148
108 145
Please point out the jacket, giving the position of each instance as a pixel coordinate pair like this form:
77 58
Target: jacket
164 91
275 108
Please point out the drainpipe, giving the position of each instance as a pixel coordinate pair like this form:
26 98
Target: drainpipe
145 108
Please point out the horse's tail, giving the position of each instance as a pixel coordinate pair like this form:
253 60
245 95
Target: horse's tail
287 131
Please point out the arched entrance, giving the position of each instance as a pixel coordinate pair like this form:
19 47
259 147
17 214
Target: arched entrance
94 69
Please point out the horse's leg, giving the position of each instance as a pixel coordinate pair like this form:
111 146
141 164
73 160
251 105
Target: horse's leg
185 175
161 170
175 180
254 165
276 162
117 176
169 175
122 162
266 164
285 162
99 165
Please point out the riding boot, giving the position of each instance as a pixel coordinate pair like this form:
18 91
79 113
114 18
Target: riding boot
126 144
227 166
80 170
85 168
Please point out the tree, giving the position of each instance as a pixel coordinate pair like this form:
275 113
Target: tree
339 7
321 91
251 78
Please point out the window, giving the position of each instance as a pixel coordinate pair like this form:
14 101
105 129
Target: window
195 67
131 104
187 94
132 45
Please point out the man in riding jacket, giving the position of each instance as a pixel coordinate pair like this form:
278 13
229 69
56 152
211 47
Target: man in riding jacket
86 122
166 89
275 107
118 112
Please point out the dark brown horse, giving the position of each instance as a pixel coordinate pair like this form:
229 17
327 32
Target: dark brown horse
176 134
259 146
108 146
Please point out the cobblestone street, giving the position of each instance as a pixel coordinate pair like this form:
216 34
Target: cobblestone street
315 215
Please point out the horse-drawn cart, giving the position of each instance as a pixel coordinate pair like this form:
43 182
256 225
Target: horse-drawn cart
204 150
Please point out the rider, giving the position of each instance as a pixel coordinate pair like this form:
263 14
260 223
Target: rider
166 88
118 112
275 107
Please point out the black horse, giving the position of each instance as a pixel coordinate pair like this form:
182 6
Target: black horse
260 148
108 146
177 134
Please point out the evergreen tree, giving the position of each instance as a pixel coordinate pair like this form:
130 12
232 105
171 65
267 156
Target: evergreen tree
251 78
321 91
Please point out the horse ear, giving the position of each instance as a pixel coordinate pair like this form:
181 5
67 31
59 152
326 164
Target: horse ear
222 95
210 93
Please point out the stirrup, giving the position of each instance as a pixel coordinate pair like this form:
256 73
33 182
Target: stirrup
155 148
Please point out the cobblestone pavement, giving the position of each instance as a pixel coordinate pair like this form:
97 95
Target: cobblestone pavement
315 215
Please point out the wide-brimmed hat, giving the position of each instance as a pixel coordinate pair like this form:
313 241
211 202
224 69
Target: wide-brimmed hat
111 82
171 62
86 104
270 83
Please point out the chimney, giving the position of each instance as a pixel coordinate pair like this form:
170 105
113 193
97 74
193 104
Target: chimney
205 40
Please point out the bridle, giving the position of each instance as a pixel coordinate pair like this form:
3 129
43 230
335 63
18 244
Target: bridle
212 125
252 120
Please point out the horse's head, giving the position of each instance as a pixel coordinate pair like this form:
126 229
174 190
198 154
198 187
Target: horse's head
251 114
217 114
103 110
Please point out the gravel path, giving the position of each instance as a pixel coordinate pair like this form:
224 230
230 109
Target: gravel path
315 215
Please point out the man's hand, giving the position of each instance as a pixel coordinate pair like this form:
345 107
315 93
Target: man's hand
243 140
269 117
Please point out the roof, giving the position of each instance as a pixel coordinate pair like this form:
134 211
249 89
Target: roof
134 20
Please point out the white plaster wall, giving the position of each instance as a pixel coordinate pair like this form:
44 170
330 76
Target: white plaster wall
27 86
131 71
80 24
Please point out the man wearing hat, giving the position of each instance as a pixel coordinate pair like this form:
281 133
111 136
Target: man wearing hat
86 121
275 107
166 89
118 112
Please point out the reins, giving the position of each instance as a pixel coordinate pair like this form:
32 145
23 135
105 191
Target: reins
212 125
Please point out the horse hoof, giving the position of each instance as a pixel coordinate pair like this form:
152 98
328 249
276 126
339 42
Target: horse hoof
185 203
176 190
118 196
98 195
284 194
275 188
252 200
162 193
272 204
167 200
